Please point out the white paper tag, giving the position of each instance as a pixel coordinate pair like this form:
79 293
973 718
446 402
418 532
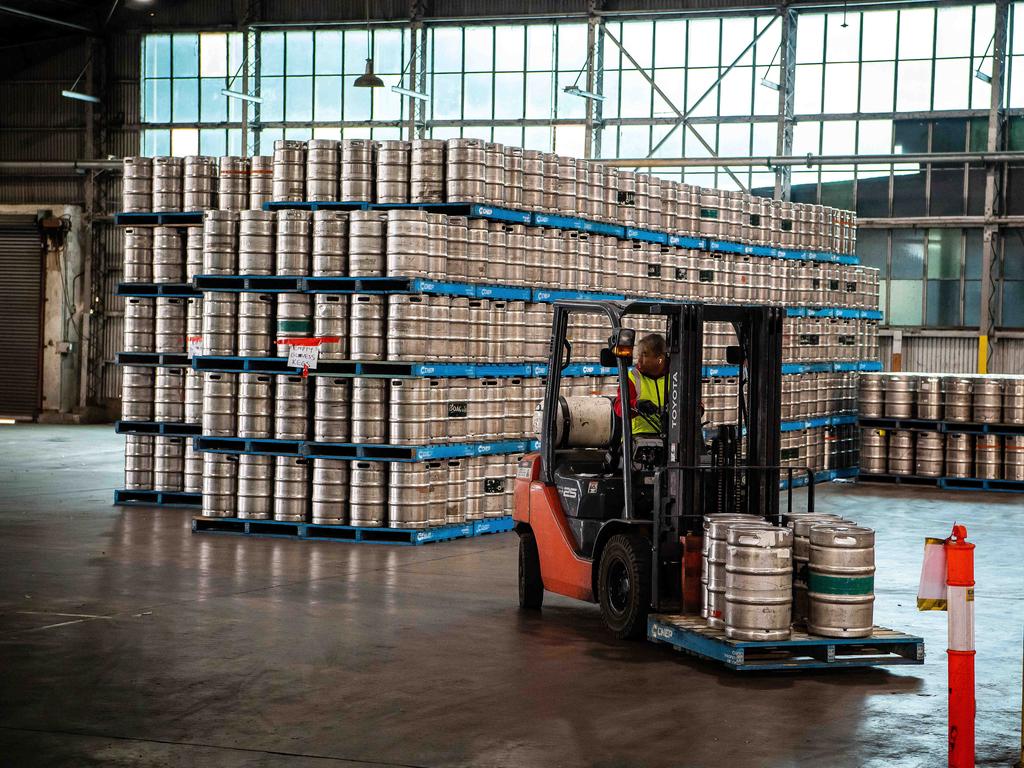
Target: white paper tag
195 346
303 356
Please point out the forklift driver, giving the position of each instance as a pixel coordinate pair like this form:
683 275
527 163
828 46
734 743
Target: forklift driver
647 386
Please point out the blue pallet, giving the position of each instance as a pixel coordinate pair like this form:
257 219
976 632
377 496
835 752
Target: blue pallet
311 449
154 219
150 290
646 235
165 428
548 296
349 533
687 241
600 228
691 634
471 290
554 221
819 421
978 484
249 283
826 476
128 497
333 205
938 425
153 359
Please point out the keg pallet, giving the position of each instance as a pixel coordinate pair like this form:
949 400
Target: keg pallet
150 290
832 420
126 497
370 369
154 359
359 451
825 476
937 425
349 533
166 428
580 224
979 484
897 479
154 219
690 634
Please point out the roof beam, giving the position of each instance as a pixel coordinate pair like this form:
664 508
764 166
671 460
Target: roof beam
43 19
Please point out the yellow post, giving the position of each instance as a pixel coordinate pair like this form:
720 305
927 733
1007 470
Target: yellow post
983 354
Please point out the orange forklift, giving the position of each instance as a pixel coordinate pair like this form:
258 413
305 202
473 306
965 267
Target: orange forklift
610 517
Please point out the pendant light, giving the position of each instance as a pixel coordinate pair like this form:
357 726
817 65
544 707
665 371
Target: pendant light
368 79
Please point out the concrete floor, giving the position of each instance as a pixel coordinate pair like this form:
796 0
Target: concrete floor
125 640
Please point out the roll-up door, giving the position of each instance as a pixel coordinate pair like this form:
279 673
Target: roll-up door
21 295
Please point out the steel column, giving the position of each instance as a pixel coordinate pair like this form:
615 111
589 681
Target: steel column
787 82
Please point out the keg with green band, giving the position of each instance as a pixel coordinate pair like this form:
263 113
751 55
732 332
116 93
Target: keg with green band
828 584
841 580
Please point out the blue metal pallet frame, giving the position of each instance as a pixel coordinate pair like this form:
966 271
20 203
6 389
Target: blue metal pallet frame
129 497
948 483
834 420
154 359
154 219
826 476
151 290
348 533
938 425
312 449
165 428
691 635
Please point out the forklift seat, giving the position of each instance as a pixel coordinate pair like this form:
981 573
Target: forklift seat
588 491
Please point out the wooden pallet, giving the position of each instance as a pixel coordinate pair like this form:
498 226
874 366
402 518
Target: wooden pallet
691 634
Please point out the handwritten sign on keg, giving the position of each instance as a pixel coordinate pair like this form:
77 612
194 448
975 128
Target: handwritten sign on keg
303 356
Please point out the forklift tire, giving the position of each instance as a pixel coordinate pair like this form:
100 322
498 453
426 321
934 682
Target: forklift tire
531 586
624 585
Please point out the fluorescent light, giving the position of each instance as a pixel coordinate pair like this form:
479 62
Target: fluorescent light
769 84
985 78
239 95
8 421
410 94
80 96
572 90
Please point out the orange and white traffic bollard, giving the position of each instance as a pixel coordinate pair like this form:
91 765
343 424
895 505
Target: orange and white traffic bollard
960 604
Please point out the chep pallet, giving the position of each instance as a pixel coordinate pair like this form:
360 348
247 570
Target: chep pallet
939 425
349 533
164 428
125 497
154 219
312 449
149 290
690 634
153 359
825 476
979 484
897 479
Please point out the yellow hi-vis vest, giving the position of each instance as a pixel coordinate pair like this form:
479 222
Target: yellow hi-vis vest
647 389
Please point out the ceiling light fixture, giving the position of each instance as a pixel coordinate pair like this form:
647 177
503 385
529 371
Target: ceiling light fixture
80 96
242 96
572 90
368 79
410 94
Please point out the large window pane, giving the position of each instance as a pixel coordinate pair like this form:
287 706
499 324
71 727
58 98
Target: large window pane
572 45
702 43
843 39
388 52
905 298
447 49
879 34
539 42
736 33
156 101
972 302
272 92
877 86
272 53
214 104
736 92
156 142
355 53
477 96
916 38
873 249
328 52
479 49
839 137
1013 304
447 97
327 98
538 94
669 50
943 303
213 141
185 96
157 55
387 105
510 104
299 53
184 141
509 48
914 86
810 40
952 78
299 98
951 38
807 98
907 253
841 86
186 55
697 83
944 254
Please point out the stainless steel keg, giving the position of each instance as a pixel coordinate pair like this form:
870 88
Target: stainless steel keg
874 451
494 173
419 411
293 245
758 582
959 455
168 182
1013 400
368 494
323 166
261 181
357 170
366 327
392 172
407 243
369 411
233 183
331 410
255 487
465 171
367 243
330 492
219 322
871 394
256 325
138 462
169 325
199 183
139 324
291 488
1013 458
193 478
987 399
929 450
219 403
256 242
193 253
416 492
138 255
455 507
291 408
414 325
220 242
137 392
514 177
426 178
294 320
193 396
901 452
437 246
988 457
841 581
168 255
137 184
255 405
899 395
168 463
957 391
330 243
169 395
716 529
220 478
289 183
330 325
929 397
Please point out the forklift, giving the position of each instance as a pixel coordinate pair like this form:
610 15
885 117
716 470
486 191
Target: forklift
614 518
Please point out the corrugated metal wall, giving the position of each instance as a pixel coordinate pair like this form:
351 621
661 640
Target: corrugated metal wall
959 354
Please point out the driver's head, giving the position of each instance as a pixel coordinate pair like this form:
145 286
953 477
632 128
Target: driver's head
652 356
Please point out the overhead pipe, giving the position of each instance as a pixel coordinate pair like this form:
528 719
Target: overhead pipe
814 160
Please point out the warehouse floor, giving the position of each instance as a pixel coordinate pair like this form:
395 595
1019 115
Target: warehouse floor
127 640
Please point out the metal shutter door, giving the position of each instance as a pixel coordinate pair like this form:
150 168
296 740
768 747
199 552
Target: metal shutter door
21 289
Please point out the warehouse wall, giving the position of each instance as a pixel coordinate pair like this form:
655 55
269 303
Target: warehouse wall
936 352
